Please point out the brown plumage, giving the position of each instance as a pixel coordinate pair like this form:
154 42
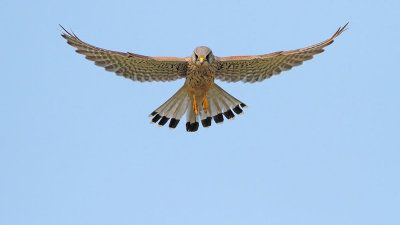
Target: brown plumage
200 98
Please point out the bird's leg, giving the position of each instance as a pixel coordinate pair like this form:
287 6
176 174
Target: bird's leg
205 103
195 109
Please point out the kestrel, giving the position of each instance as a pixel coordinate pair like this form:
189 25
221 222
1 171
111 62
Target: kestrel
200 98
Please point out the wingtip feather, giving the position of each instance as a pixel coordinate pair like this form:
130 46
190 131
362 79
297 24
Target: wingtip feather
340 30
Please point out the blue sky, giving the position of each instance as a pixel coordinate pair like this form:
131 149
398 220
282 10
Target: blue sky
317 145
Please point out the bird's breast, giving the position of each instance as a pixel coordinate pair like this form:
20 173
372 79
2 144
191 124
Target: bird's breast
199 79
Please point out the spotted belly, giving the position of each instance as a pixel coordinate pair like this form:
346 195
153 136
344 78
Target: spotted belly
198 82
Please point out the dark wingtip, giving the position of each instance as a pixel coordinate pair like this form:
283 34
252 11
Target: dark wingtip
243 105
67 33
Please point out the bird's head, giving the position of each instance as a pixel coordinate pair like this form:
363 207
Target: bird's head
202 56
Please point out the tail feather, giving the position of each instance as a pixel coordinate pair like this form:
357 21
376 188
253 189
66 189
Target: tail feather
220 103
173 109
192 123
180 106
213 107
205 117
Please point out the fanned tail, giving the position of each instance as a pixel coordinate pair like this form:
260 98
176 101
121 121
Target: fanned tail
221 104
174 108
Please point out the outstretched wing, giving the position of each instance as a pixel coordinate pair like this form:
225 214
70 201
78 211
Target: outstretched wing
133 66
260 67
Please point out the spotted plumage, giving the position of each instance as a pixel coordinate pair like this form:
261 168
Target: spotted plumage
200 98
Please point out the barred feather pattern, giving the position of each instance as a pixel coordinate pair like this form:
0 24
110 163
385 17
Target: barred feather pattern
129 65
199 80
260 67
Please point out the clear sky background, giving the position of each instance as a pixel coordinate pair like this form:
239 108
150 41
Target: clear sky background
318 145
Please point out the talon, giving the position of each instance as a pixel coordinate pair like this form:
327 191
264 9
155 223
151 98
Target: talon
205 103
195 109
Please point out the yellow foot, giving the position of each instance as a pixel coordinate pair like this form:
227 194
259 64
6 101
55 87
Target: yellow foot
195 109
205 103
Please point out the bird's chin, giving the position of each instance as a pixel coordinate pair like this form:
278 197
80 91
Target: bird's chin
202 65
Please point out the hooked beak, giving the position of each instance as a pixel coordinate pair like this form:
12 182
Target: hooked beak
201 60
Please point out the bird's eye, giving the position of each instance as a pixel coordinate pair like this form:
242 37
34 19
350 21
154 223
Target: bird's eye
195 56
208 57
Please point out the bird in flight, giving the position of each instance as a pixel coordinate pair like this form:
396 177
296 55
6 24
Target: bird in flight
200 98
